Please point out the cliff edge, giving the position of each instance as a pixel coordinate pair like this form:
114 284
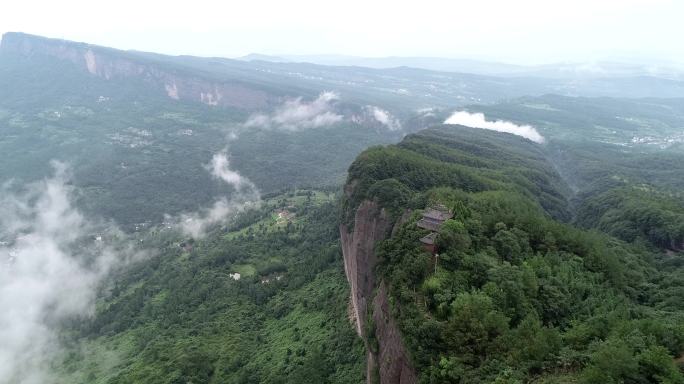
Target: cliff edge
388 360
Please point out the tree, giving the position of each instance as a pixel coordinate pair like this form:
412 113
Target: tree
453 235
475 326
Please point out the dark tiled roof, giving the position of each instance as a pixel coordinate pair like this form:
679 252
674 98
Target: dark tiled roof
433 218
431 213
429 225
429 239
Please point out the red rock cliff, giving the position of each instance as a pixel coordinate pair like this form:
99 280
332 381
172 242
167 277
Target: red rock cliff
371 225
391 360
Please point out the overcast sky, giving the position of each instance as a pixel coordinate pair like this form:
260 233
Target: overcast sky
519 31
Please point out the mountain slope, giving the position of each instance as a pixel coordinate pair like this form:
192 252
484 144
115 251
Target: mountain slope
515 295
623 159
518 293
263 300
138 150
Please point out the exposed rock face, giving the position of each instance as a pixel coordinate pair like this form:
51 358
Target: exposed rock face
371 225
111 64
393 361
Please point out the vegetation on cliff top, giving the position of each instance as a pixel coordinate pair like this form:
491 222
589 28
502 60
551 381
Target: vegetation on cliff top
457 157
516 295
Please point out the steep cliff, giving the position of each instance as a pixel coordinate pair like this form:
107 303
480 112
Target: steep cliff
384 185
513 287
392 359
111 64
371 225
388 358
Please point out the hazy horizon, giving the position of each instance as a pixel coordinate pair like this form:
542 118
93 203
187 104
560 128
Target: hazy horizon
528 32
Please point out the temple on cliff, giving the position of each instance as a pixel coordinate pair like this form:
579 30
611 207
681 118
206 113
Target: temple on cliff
429 242
434 217
432 220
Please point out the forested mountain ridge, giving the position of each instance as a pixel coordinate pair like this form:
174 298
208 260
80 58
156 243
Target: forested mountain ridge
172 78
515 295
257 83
562 263
622 159
134 121
459 157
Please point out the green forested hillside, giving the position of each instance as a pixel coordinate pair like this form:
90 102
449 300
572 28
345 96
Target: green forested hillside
564 262
515 295
137 154
622 158
463 158
180 317
636 213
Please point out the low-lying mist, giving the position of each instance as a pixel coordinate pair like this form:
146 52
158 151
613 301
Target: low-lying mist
244 195
296 115
52 260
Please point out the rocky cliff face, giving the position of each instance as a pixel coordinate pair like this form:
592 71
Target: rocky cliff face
371 225
391 362
111 64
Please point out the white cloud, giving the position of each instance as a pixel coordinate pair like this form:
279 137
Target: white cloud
297 115
50 268
373 116
383 117
477 120
245 195
220 169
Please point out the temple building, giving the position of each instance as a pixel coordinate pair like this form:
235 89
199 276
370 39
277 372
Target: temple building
432 220
429 242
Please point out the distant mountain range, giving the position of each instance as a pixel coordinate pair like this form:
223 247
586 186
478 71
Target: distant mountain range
613 68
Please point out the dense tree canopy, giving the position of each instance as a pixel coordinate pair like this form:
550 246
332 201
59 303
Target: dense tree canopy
518 294
182 317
